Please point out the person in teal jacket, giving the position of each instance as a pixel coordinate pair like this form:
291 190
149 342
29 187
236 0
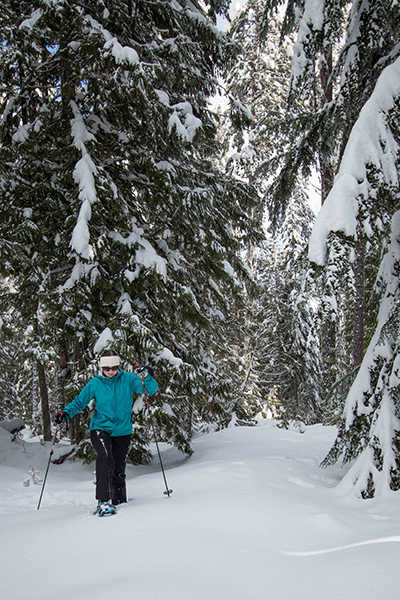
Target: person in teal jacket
111 424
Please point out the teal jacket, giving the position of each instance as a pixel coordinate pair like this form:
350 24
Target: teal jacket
113 401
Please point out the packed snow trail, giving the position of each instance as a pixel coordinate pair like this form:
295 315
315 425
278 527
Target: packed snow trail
252 516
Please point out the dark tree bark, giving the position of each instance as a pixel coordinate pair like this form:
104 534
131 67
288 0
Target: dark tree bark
358 318
44 397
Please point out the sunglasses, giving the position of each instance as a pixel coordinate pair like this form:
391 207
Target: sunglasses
106 369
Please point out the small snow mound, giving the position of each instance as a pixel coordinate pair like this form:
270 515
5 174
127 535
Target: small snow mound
12 425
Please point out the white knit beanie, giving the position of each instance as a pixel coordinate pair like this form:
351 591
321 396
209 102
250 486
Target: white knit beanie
109 361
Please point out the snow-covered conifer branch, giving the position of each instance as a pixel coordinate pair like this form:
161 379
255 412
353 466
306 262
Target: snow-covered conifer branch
371 142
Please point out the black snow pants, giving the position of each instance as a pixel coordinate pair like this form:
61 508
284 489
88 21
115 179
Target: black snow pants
110 466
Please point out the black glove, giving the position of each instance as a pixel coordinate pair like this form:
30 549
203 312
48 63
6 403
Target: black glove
143 371
61 417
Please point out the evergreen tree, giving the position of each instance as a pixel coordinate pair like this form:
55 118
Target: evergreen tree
257 85
117 220
280 354
287 343
10 356
369 433
340 52
369 174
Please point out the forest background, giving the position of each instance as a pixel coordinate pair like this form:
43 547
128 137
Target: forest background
135 214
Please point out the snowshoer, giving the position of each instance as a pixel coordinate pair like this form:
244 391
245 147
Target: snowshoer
111 424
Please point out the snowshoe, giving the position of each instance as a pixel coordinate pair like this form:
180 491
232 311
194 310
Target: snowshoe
105 509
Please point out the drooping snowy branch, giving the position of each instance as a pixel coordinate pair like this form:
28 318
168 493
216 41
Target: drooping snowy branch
186 129
373 396
122 54
312 20
182 118
83 174
145 254
28 23
371 142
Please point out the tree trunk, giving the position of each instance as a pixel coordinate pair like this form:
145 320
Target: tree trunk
358 318
326 169
64 374
328 339
296 399
67 86
328 354
189 426
44 397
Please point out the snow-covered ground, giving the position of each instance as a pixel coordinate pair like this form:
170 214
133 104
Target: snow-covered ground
252 517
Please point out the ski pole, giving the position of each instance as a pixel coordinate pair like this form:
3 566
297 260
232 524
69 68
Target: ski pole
48 465
168 491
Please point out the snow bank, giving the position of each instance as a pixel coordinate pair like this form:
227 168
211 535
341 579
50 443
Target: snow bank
12 425
250 507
